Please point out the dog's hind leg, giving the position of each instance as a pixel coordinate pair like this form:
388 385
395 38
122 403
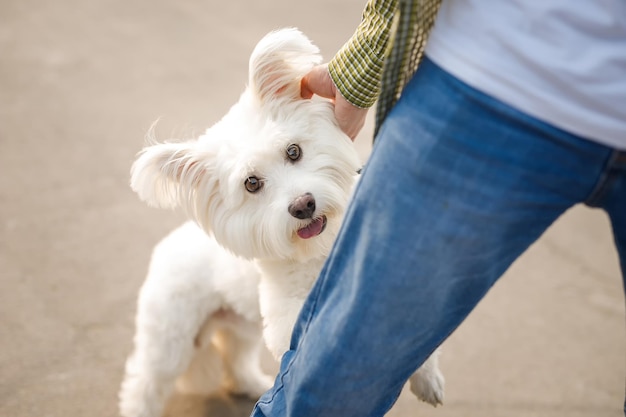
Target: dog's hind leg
167 325
427 383
204 374
241 344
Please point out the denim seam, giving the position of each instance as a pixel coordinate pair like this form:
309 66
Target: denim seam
276 391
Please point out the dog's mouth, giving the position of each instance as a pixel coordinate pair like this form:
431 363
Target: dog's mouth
316 227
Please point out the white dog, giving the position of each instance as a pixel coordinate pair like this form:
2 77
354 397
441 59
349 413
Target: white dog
267 187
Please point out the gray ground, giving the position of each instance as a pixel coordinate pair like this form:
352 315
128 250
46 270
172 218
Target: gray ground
81 81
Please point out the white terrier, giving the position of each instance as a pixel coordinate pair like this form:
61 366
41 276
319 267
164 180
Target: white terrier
267 187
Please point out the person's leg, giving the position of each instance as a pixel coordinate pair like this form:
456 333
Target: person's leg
611 196
457 187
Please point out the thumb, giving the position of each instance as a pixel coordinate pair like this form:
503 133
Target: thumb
318 81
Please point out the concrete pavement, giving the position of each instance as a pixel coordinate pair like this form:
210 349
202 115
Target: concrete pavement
81 81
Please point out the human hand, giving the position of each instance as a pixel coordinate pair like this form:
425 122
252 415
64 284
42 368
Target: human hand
350 118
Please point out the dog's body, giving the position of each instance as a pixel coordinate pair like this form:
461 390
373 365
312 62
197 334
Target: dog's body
198 324
270 183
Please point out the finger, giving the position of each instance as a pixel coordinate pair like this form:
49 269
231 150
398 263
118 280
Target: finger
305 89
317 81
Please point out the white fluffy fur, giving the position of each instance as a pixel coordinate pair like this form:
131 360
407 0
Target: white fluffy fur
212 283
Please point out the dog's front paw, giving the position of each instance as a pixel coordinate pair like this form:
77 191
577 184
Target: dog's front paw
428 385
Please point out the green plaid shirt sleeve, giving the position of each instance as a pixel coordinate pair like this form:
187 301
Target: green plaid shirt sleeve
384 53
357 68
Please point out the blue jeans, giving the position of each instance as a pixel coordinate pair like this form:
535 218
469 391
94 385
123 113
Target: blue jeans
458 186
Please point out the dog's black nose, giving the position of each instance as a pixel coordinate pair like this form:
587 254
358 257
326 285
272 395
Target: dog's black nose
302 207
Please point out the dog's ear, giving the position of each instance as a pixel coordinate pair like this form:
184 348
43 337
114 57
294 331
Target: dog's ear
279 62
167 174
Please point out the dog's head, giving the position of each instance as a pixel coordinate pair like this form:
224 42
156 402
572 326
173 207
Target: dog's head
273 177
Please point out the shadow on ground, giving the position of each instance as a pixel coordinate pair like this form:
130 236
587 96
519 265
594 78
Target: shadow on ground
218 405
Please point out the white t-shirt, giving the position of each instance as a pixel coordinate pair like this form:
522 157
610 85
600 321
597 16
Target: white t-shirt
561 61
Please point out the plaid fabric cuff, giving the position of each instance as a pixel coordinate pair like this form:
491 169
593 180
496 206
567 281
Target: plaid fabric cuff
357 68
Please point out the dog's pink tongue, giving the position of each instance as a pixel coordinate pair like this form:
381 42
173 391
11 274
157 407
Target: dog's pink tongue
313 229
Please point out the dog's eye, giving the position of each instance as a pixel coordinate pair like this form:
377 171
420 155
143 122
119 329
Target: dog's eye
294 152
253 184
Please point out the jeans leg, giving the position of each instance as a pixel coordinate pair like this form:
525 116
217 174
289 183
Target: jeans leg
611 196
457 187
613 200
616 209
